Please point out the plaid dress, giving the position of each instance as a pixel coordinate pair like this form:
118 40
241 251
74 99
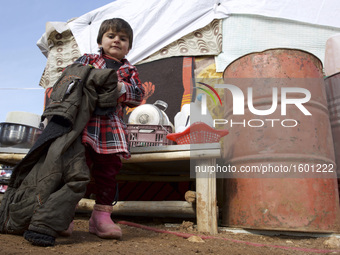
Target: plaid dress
107 134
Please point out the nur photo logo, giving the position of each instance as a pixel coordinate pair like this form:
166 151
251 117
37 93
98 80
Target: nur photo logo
204 97
280 102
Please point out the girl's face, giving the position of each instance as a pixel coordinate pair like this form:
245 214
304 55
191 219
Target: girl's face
115 44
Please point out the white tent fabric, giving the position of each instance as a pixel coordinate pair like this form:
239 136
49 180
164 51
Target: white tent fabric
244 34
156 23
324 12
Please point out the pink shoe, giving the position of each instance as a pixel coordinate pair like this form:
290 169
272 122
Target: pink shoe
67 232
101 223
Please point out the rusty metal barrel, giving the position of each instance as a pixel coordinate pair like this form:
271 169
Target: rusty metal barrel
333 98
282 201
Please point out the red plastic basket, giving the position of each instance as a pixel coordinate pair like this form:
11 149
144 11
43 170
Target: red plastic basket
198 132
148 135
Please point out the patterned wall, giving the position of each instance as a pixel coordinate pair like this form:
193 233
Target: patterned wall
206 41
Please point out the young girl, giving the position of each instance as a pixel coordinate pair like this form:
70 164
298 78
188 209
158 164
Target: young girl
105 135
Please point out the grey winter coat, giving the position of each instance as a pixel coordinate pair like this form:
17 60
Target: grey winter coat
47 184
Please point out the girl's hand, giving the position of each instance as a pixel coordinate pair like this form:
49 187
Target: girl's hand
119 85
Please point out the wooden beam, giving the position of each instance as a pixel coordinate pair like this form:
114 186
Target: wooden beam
206 203
11 159
173 156
146 208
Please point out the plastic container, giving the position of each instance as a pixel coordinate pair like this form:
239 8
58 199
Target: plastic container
198 132
148 135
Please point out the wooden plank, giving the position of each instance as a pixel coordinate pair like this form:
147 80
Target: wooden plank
206 203
11 159
180 152
145 208
173 148
173 156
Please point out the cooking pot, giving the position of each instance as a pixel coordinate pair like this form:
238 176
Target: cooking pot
24 118
150 114
18 135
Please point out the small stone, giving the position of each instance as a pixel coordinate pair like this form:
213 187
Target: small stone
187 225
195 239
332 243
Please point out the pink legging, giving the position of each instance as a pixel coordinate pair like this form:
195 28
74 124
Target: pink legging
104 168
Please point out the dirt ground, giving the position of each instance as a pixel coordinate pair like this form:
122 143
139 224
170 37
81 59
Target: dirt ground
171 236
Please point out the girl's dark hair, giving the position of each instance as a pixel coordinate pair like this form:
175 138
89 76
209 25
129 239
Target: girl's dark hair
116 25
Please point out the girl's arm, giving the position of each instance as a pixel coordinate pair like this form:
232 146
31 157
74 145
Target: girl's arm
128 75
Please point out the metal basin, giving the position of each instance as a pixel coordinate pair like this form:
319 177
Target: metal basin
18 135
5 176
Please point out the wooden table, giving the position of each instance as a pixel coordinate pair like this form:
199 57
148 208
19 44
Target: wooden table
170 159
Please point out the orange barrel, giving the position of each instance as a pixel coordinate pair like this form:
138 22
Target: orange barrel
280 201
333 97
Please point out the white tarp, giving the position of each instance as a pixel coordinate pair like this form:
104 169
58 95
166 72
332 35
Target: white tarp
244 34
319 12
157 23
